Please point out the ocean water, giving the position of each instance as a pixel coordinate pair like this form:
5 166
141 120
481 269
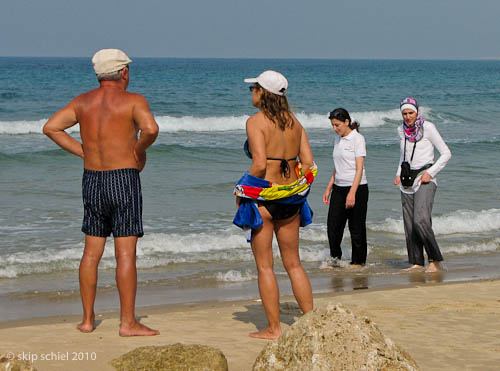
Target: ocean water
201 105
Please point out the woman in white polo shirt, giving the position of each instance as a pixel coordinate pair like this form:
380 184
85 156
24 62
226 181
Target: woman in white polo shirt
347 191
416 178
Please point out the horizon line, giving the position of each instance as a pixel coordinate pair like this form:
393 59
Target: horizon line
272 58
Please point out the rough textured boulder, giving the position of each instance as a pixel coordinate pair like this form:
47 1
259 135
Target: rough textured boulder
14 365
333 338
176 357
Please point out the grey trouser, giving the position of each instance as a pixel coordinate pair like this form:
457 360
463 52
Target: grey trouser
417 209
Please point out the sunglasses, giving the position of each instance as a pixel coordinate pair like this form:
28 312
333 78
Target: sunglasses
337 116
252 88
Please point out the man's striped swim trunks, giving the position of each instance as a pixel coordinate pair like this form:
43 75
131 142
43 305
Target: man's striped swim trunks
112 202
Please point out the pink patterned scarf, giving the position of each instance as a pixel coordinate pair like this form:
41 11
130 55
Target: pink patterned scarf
414 132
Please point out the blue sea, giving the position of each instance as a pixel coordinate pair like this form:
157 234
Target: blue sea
191 251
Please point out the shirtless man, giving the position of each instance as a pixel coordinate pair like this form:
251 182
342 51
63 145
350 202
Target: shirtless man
113 154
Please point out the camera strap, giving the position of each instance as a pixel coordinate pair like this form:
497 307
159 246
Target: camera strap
412 153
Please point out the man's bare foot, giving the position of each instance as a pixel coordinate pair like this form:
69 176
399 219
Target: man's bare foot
137 329
267 333
414 268
87 325
433 267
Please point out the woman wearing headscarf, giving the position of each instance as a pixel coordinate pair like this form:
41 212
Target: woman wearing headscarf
416 177
347 191
271 196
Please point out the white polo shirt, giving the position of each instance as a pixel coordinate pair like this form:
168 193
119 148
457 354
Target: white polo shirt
345 151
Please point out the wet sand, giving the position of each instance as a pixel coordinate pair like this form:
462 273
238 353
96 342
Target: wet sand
443 326
45 300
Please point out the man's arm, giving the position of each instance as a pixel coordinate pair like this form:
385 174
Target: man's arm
146 123
56 126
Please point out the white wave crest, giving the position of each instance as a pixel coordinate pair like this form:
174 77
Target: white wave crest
314 233
460 221
153 250
161 250
192 123
473 248
229 245
8 272
463 248
308 120
226 239
371 119
45 256
235 276
25 127
316 253
219 123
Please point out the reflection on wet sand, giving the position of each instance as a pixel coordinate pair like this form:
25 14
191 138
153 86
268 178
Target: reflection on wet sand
358 281
347 281
421 277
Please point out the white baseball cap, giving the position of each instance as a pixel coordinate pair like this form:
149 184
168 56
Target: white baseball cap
273 81
109 60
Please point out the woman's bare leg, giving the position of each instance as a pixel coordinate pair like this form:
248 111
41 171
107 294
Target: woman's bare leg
287 234
268 286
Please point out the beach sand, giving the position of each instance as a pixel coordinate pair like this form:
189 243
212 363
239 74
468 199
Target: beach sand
443 326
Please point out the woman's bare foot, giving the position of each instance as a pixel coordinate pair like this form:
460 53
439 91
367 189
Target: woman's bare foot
267 333
137 329
433 267
354 267
414 268
87 325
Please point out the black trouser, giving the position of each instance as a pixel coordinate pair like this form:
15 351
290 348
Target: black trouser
337 217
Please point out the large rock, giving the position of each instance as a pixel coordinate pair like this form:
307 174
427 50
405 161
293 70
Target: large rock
176 357
7 363
333 338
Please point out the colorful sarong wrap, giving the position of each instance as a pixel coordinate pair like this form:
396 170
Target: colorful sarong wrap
251 189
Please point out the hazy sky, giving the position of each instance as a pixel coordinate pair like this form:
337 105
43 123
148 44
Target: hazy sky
454 29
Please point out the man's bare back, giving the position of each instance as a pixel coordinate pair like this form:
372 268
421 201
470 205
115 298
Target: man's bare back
107 127
110 119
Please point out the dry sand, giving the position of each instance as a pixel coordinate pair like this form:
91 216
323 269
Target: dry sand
443 327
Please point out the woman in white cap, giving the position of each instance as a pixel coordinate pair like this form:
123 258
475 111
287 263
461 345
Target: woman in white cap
276 140
416 177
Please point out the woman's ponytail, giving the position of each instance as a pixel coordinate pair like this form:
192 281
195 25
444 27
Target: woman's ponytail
354 125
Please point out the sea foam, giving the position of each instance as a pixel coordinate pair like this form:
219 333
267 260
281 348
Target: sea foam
235 276
463 248
229 245
26 127
460 221
153 250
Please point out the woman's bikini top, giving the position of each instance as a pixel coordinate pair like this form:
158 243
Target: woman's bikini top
284 166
